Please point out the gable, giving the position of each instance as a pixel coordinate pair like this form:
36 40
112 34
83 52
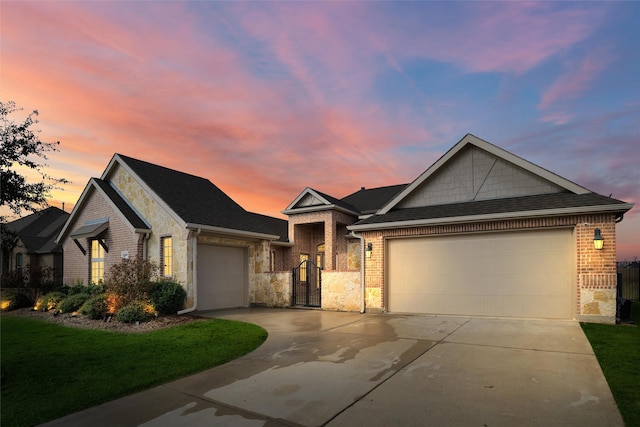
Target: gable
474 174
309 200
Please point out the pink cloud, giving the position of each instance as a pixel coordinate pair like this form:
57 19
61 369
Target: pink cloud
576 78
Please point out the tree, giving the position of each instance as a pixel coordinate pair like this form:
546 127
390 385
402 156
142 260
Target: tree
22 150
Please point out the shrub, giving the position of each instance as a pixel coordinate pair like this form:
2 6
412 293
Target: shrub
73 302
130 281
19 300
76 289
95 308
50 301
167 296
136 312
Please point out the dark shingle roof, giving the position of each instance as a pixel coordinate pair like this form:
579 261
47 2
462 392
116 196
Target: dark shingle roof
337 202
131 216
367 201
496 206
197 200
39 230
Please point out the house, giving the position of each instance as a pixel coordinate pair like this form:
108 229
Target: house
30 246
222 254
481 232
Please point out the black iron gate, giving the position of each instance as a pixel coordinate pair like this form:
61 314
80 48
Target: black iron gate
307 284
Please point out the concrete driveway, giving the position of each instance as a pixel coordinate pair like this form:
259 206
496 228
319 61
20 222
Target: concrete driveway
347 369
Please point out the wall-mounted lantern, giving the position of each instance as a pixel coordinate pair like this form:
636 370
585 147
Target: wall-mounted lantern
598 240
369 249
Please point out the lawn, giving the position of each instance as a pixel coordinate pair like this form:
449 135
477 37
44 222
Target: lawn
617 348
49 370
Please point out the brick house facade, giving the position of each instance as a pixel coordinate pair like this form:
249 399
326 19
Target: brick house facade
481 232
475 194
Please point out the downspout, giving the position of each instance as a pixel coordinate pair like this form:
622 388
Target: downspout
362 258
194 251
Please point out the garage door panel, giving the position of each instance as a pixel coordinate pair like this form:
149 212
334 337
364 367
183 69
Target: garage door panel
222 277
511 274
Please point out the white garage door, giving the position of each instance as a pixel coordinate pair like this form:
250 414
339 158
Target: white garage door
222 277
510 274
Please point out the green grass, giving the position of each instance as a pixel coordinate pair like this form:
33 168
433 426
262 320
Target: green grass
617 348
49 370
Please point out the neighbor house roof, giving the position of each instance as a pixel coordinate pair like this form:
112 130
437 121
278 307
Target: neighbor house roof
39 230
198 203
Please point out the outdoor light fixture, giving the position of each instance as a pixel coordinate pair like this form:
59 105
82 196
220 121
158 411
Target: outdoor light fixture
369 249
598 240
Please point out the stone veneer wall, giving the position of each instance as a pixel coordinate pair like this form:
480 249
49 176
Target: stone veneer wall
162 225
595 280
273 290
341 290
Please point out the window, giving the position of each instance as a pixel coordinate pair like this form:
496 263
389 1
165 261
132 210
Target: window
97 262
19 261
166 255
303 267
272 261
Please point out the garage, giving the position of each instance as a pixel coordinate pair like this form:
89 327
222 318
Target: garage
222 277
504 274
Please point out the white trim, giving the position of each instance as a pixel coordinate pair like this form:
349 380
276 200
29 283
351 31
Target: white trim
308 209
492 217
232 232
470 139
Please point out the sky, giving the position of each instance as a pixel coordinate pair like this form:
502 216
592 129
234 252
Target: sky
267 98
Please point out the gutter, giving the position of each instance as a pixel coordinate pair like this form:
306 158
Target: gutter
231 232
362 257
492 217
194 251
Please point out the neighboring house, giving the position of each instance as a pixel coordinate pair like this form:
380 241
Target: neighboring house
199 236
481 232
30 245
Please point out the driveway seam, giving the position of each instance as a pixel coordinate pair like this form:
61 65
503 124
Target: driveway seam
440 341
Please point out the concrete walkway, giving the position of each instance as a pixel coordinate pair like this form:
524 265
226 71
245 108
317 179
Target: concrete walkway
347 369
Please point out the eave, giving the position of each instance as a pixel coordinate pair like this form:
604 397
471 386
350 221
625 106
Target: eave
582 210
231 232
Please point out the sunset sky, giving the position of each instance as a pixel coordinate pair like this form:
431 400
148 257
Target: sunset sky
267 98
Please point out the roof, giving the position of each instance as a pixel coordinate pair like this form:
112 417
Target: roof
130 215
197 202
310 200
564 203
38 230
135 221
470 140
368 201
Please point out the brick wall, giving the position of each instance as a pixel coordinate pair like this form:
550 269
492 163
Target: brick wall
118 237
307 230
595 280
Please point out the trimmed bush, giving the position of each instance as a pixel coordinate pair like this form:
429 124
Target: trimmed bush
130 281
167 296
50 301
135 312
19 300
95 308
73 302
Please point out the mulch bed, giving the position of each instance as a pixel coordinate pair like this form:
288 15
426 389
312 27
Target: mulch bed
111 325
